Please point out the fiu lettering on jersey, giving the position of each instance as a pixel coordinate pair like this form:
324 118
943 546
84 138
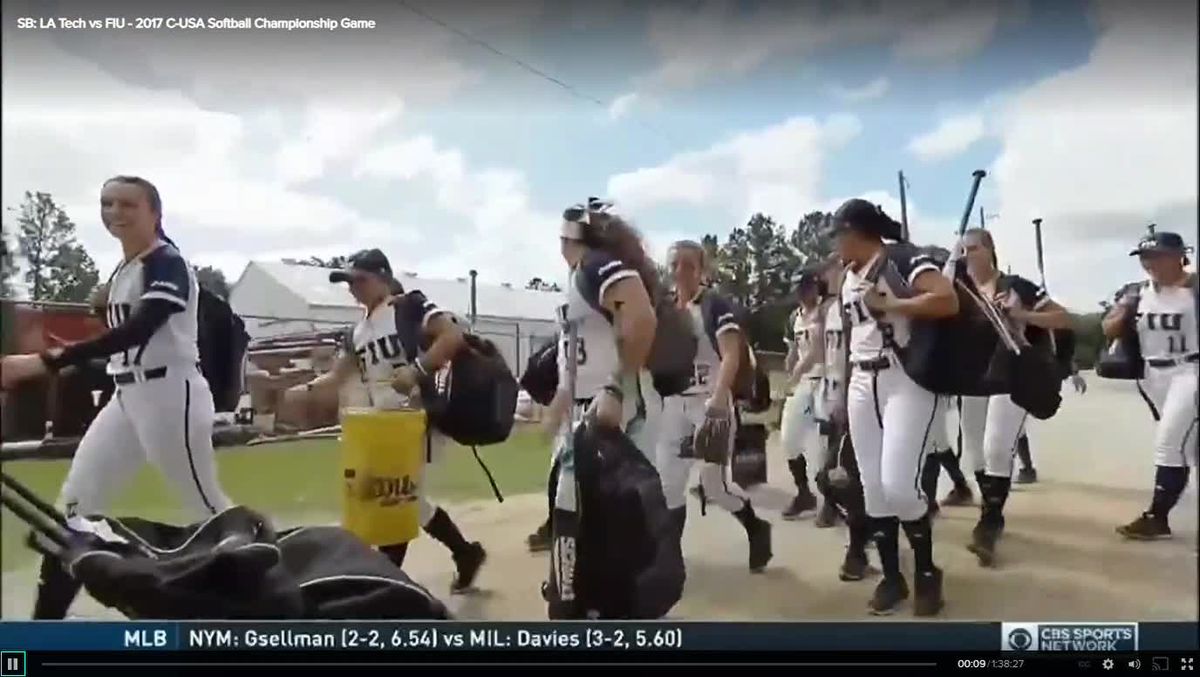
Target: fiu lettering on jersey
384 349
160 274
1166 322
900 268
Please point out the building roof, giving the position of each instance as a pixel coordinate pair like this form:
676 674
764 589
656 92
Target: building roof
312 285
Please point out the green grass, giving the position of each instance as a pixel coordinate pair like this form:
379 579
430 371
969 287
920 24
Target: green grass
289 480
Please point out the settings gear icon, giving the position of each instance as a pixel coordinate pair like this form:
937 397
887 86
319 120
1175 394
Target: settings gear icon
1108 664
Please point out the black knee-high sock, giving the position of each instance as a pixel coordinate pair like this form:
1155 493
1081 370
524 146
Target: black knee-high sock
746 516
1169 483
950 462
920 537
860 533
799 468
995 495
1023 452
442 528
886 532
981 479
929 476
55 592
395 552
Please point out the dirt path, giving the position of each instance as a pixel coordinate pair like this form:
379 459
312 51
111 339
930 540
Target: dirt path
1059 560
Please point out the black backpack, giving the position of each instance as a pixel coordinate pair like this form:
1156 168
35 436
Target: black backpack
963 354
618 555
540 379
473 399
222 341
673 355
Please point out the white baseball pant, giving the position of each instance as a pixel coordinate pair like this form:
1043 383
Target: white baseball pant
990 429
1172 393
682 415
798 430
891 419
168 422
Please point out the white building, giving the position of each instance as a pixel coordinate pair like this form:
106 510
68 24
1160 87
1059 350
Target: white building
276 298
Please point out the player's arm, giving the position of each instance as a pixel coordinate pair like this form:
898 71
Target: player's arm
166 291
1114 322
934 295
447 339
345 367
626 298
1037 308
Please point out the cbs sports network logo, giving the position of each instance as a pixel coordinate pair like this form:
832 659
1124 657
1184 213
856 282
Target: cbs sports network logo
1069 637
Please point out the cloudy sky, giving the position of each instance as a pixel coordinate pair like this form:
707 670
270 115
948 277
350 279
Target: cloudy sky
420 138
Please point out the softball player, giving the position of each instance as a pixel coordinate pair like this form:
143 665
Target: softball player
162 410
1165 319
706 406
607 328
991 426
940 455
386 379
840 480
890 416
805 364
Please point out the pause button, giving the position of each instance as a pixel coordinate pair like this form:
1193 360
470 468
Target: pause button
12 664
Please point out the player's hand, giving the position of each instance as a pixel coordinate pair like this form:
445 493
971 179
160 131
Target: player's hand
404 379
607 409
1079 383
17 368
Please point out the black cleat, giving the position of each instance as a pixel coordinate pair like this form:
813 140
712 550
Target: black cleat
1146 528
468 563
855 567
539 541
802 503
958 496
827 517
933 508
928 598
888 595
1026 476
983 544
759 534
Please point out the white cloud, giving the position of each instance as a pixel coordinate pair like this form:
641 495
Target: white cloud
621 105
332 133
952 136
1101 150
872 90
776 170
721 40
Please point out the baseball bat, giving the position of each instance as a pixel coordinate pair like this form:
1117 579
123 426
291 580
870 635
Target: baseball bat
903 208
1041 262
977 178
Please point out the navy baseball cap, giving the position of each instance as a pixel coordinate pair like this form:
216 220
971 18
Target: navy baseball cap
1163 242
369 261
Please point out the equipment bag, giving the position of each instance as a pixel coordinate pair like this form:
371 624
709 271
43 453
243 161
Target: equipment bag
617 555
1122 357
473 399
222 341
749 463
540 379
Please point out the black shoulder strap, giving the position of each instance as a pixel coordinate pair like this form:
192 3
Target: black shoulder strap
409 333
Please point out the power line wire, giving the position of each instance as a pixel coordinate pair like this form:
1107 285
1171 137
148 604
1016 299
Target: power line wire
569 88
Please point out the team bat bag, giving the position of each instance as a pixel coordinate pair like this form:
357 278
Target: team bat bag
750 455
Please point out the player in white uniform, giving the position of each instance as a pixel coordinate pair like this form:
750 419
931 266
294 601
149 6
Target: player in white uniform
1165 320
708 401
607 327
162 411
992 426
799 430
890 416
386 375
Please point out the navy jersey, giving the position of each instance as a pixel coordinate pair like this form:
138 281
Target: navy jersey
160 273
712 315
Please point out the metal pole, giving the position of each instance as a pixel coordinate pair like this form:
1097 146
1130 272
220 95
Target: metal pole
903 207
474 309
